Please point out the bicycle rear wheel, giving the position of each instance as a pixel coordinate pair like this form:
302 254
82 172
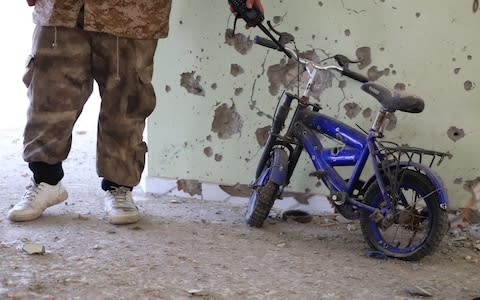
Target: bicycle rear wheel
418 223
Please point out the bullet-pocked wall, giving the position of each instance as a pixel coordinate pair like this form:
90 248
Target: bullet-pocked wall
217 93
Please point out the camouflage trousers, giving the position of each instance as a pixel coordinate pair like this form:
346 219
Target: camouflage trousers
64 64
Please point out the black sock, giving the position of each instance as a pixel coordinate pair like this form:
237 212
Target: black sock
43 172
108 185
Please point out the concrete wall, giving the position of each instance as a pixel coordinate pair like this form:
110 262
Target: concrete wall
216 94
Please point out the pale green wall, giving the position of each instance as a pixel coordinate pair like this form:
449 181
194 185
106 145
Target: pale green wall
420 42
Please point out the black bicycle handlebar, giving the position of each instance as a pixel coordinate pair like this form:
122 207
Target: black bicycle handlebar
341 59
265 43
355 75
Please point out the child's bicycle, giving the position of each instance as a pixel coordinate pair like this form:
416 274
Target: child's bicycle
402 208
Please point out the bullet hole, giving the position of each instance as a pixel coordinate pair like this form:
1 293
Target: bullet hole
238 91
347 32
277 19
469 57
208 151
296 28
218 157
458 181
239 41
470 185
391 65
391 122
286 74
168 88
399 86
237 190
382 48
418 15
457 70
374 74
455 133
209 137
468 85
352 109
236 70
191 187
367 113
227 121
320 3
192 83
180 22
454 59
313 36
262 135
364 55
342 84
394 72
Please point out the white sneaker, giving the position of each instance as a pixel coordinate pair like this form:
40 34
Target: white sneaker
120 207
36 199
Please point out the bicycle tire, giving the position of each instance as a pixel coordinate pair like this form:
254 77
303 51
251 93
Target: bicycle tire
432 212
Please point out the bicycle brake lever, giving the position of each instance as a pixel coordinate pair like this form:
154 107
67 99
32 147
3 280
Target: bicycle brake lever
343 61
284 37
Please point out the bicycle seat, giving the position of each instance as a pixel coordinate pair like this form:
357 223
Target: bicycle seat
395 101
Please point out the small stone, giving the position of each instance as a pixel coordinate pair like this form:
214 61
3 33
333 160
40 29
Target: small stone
97 247
281 245
198 292
417 291
468 258
475 231
351 227
31 248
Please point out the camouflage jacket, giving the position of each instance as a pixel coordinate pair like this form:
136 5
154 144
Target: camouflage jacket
140 19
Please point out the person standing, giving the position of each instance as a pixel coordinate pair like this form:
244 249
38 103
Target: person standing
75 43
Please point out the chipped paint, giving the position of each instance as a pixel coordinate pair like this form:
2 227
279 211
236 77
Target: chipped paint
227 121
239 41
236 70
455 134
364 55
192 83
390 121
218 157
191 187
374 74
367 113
208 151
237 190
352 109
262 135
238 91
468 85
399 86
285 74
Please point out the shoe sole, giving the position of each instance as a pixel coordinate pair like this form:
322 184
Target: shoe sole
124 220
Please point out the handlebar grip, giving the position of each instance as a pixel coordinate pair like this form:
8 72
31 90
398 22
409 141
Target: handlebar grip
265 43
355 75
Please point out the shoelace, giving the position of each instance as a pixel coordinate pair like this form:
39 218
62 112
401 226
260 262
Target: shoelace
31 192
121 198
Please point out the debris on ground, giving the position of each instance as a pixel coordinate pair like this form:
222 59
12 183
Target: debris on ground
417 291
32 248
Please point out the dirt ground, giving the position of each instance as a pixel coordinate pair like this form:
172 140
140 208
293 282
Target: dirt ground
196 249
